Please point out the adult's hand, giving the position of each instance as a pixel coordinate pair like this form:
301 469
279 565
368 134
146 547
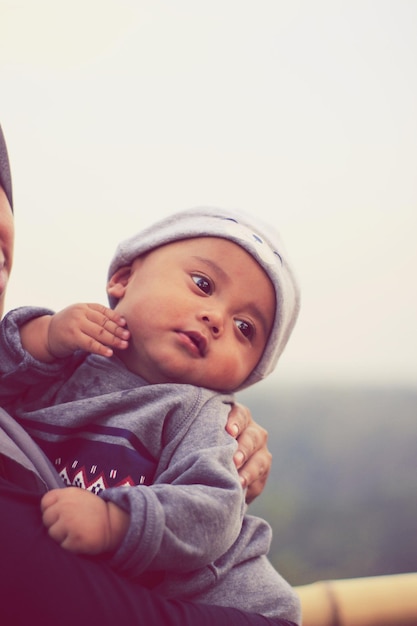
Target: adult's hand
252 458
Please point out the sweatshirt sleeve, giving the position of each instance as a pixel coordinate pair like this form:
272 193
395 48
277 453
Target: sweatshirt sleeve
193 512
19 371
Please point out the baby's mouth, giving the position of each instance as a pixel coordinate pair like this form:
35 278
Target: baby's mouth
197 339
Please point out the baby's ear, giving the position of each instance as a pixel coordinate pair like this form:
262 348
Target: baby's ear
117 283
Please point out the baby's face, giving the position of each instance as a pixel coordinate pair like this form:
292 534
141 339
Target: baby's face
199 312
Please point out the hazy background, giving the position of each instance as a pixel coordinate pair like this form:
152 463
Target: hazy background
341 496
117 112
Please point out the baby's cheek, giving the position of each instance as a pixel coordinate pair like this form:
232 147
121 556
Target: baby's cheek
233 373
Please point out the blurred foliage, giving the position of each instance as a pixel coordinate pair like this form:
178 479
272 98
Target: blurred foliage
342 494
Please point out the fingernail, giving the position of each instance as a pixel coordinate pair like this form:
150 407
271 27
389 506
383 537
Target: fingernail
234 430
239 457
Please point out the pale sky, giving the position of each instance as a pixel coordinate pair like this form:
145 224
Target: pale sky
118 112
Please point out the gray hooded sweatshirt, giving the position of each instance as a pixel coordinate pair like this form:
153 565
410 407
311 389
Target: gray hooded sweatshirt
160 452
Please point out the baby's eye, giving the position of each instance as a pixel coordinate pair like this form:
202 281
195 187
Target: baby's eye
245 328
203 283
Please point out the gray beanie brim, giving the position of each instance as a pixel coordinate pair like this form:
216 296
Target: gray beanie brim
256 237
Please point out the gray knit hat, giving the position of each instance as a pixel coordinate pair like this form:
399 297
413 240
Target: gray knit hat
5 176
256 237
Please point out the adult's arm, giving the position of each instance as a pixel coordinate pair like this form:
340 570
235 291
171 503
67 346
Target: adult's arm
41 583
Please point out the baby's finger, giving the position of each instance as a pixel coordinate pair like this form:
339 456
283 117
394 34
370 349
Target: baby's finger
51 521
102 347
107 314
58 532
50 498
106 327
50 516
110 334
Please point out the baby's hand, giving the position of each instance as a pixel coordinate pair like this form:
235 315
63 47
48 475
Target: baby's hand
82 522
91 327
